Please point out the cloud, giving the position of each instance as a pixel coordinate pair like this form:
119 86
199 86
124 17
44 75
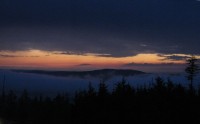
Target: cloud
143 45
175 57
79 53
66 53
14 56
132 64
85 64
112 28
9 56
161 67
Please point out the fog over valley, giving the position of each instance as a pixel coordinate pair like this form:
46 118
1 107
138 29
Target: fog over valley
48 85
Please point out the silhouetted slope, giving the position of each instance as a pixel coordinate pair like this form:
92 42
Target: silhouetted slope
103 73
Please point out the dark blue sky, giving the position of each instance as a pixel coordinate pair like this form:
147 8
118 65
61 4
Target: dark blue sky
116 27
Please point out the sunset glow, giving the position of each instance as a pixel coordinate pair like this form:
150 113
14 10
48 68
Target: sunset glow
37 59
86 35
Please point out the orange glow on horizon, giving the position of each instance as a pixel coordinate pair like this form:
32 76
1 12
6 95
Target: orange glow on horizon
47 59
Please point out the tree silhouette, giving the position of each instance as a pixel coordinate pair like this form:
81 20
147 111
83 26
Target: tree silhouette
192 69
103 91
122 88
91 91
163 102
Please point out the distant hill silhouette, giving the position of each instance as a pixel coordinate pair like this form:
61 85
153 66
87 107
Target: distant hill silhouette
103 73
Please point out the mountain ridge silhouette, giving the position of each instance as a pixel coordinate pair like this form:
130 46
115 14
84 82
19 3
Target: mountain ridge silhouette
93 73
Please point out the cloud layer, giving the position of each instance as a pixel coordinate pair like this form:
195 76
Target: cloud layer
117 28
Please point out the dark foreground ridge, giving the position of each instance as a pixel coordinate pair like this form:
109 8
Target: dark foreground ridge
95 73
162 103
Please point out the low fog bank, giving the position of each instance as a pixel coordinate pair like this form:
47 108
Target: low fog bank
37 84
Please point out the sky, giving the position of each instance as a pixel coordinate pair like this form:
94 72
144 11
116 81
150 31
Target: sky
148 35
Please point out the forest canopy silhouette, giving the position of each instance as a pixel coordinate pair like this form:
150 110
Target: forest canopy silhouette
163 102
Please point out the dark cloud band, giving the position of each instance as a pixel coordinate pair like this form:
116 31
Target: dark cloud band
116 28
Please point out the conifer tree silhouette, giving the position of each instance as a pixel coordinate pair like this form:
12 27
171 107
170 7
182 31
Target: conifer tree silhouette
192 69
